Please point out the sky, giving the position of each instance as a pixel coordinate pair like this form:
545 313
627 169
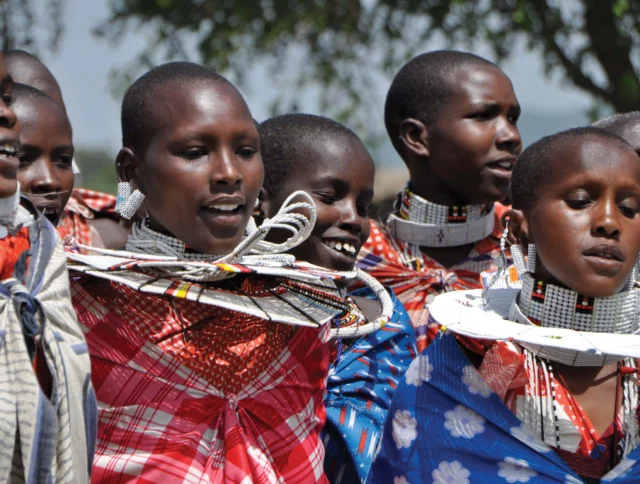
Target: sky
82 66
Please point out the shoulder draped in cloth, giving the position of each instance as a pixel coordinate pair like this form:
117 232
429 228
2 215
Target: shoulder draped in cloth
85 205
47 404
190 392
446 424
359 391
413 280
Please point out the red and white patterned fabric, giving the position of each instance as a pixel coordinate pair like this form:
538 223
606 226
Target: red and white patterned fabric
195 393
587 453
413 280
84 205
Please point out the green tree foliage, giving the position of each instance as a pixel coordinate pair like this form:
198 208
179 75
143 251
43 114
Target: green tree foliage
22 23
339 44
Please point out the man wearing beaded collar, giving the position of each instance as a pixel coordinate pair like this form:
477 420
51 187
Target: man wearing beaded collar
546 373
452 118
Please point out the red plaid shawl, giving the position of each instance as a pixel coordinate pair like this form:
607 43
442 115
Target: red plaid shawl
412 282
195 393
83 205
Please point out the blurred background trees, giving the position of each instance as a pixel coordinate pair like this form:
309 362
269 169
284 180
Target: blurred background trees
595 44
341 51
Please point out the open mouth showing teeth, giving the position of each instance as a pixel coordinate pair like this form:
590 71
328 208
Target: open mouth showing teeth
503 165
8 150
225 207
604 255
343 247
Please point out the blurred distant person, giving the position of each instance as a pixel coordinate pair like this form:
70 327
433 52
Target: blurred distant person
625 125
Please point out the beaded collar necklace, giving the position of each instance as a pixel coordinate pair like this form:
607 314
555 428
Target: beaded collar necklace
426 224
145 240
551 306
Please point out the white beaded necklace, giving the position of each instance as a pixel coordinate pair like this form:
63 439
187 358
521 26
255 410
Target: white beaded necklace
422 223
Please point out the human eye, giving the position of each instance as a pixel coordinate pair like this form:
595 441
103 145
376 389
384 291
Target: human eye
578 199
246 151
326 197
23 159
193 153
629 208
65 160
363 209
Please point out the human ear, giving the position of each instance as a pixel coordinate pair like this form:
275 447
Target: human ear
415 137
262 204
126 167
518 226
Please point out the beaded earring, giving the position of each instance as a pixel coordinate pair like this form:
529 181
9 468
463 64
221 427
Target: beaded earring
128 202
518 259
500 261
531 258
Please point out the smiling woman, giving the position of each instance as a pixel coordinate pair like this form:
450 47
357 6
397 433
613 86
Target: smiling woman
198 377
324 158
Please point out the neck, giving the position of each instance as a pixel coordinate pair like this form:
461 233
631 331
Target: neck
429 187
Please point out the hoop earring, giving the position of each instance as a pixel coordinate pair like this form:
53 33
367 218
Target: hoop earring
128 202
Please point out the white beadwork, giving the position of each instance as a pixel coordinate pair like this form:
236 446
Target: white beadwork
124 192
420 222
130 205
531 258
559 308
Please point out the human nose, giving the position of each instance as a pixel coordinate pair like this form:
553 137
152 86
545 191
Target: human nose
350 219
606 223
508 135
44 179
8 119
226 170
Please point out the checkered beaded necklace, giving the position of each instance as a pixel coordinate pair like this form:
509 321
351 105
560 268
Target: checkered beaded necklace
426 224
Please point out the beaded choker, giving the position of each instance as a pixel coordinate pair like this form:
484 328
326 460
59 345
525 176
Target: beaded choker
426 224
145 240
551 306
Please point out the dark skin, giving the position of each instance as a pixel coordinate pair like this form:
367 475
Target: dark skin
340 180
9 135
629 131
31 72
466 155
586 228
203 156
46 153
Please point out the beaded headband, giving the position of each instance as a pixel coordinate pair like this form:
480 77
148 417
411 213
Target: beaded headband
428 224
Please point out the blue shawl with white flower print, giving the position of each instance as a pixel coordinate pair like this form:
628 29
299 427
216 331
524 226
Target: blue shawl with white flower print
446 425
359 391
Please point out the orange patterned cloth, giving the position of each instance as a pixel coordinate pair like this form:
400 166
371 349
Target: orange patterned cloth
11 248
413 279
84 205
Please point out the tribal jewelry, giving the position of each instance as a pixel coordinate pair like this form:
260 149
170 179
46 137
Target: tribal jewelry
426 224
357 330
553 306
128 201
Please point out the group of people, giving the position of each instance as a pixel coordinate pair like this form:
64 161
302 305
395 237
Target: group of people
234 315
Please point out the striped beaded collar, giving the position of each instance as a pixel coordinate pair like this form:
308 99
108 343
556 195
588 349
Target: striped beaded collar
420 222
551 306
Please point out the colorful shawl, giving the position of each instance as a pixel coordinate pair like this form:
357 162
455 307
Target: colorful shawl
447 425
359 391
191 392
412 280
84 205
48 434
